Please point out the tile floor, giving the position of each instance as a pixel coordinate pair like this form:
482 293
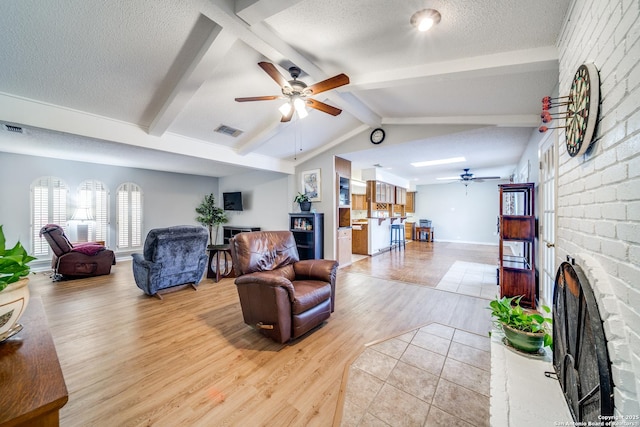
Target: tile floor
432 376
470 278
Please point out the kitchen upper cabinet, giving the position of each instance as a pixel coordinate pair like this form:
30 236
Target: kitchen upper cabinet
381 192
410 205
359 202
401 196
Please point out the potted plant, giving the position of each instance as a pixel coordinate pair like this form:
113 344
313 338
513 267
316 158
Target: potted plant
14 292
526 330
303 201
210 216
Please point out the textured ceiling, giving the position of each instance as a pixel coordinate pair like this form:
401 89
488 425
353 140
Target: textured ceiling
158 76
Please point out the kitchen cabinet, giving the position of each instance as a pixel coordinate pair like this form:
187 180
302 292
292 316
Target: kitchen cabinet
358 202
401 196
360 238
344 199
344 246
343 237
380 192
410 205
409 230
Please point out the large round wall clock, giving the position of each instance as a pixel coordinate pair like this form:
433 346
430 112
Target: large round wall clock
582 110
377 136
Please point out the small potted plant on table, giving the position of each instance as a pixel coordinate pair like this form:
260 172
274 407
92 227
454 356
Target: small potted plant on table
14 292
525 330
303 201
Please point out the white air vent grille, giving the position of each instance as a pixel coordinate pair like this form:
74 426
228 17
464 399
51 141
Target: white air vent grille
228 130
11 128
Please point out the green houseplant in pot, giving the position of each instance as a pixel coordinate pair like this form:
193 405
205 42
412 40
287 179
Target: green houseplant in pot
303 201
14 292
526 330
210 216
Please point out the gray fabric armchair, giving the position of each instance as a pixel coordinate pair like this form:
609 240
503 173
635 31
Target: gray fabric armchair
172 256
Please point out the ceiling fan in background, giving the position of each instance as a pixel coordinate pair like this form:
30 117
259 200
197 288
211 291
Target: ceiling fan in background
467 177
297 93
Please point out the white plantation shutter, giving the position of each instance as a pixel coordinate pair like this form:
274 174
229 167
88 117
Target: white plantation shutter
94 195
48 206
129 208
123 218
136 217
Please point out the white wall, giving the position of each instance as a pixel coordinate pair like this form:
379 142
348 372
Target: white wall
598 212
265 197
459 213
168 198
328 205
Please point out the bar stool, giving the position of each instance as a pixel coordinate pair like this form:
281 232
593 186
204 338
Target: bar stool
397 235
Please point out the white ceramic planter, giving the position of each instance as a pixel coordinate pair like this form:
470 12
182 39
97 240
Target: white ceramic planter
13 302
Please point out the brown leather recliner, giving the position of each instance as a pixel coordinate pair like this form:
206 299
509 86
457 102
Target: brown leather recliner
280 295
82 260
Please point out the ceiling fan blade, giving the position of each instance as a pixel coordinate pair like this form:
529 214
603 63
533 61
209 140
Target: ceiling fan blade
330 83
486 177
259 98
287 117
273 72
325 108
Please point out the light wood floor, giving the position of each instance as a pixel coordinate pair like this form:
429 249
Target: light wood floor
189 360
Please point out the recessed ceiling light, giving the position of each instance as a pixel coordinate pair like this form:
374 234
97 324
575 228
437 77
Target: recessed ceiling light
439 162
424 19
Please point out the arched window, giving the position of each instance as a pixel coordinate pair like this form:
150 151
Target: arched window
129 208
93 197
48 206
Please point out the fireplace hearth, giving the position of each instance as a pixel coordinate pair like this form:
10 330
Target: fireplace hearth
580 356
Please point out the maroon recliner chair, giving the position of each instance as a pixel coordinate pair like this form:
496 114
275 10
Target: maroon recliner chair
281 296
81 260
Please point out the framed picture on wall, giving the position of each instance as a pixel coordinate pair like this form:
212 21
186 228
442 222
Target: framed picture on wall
311 184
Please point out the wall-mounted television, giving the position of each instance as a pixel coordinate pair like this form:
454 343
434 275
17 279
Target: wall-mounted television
232 201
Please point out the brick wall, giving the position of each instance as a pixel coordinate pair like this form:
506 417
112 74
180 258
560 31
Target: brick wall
598 207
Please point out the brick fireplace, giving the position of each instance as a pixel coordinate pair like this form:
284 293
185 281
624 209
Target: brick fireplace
598 193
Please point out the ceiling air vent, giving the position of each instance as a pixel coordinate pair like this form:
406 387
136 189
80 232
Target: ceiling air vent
11 128
228 130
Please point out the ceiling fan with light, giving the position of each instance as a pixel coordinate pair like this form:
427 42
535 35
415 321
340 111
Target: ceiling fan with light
297 93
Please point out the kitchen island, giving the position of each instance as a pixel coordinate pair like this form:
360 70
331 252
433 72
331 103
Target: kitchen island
372 236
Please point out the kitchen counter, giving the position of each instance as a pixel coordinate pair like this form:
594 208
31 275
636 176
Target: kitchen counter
376 231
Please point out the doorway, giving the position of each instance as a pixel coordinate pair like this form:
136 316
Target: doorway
547 226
